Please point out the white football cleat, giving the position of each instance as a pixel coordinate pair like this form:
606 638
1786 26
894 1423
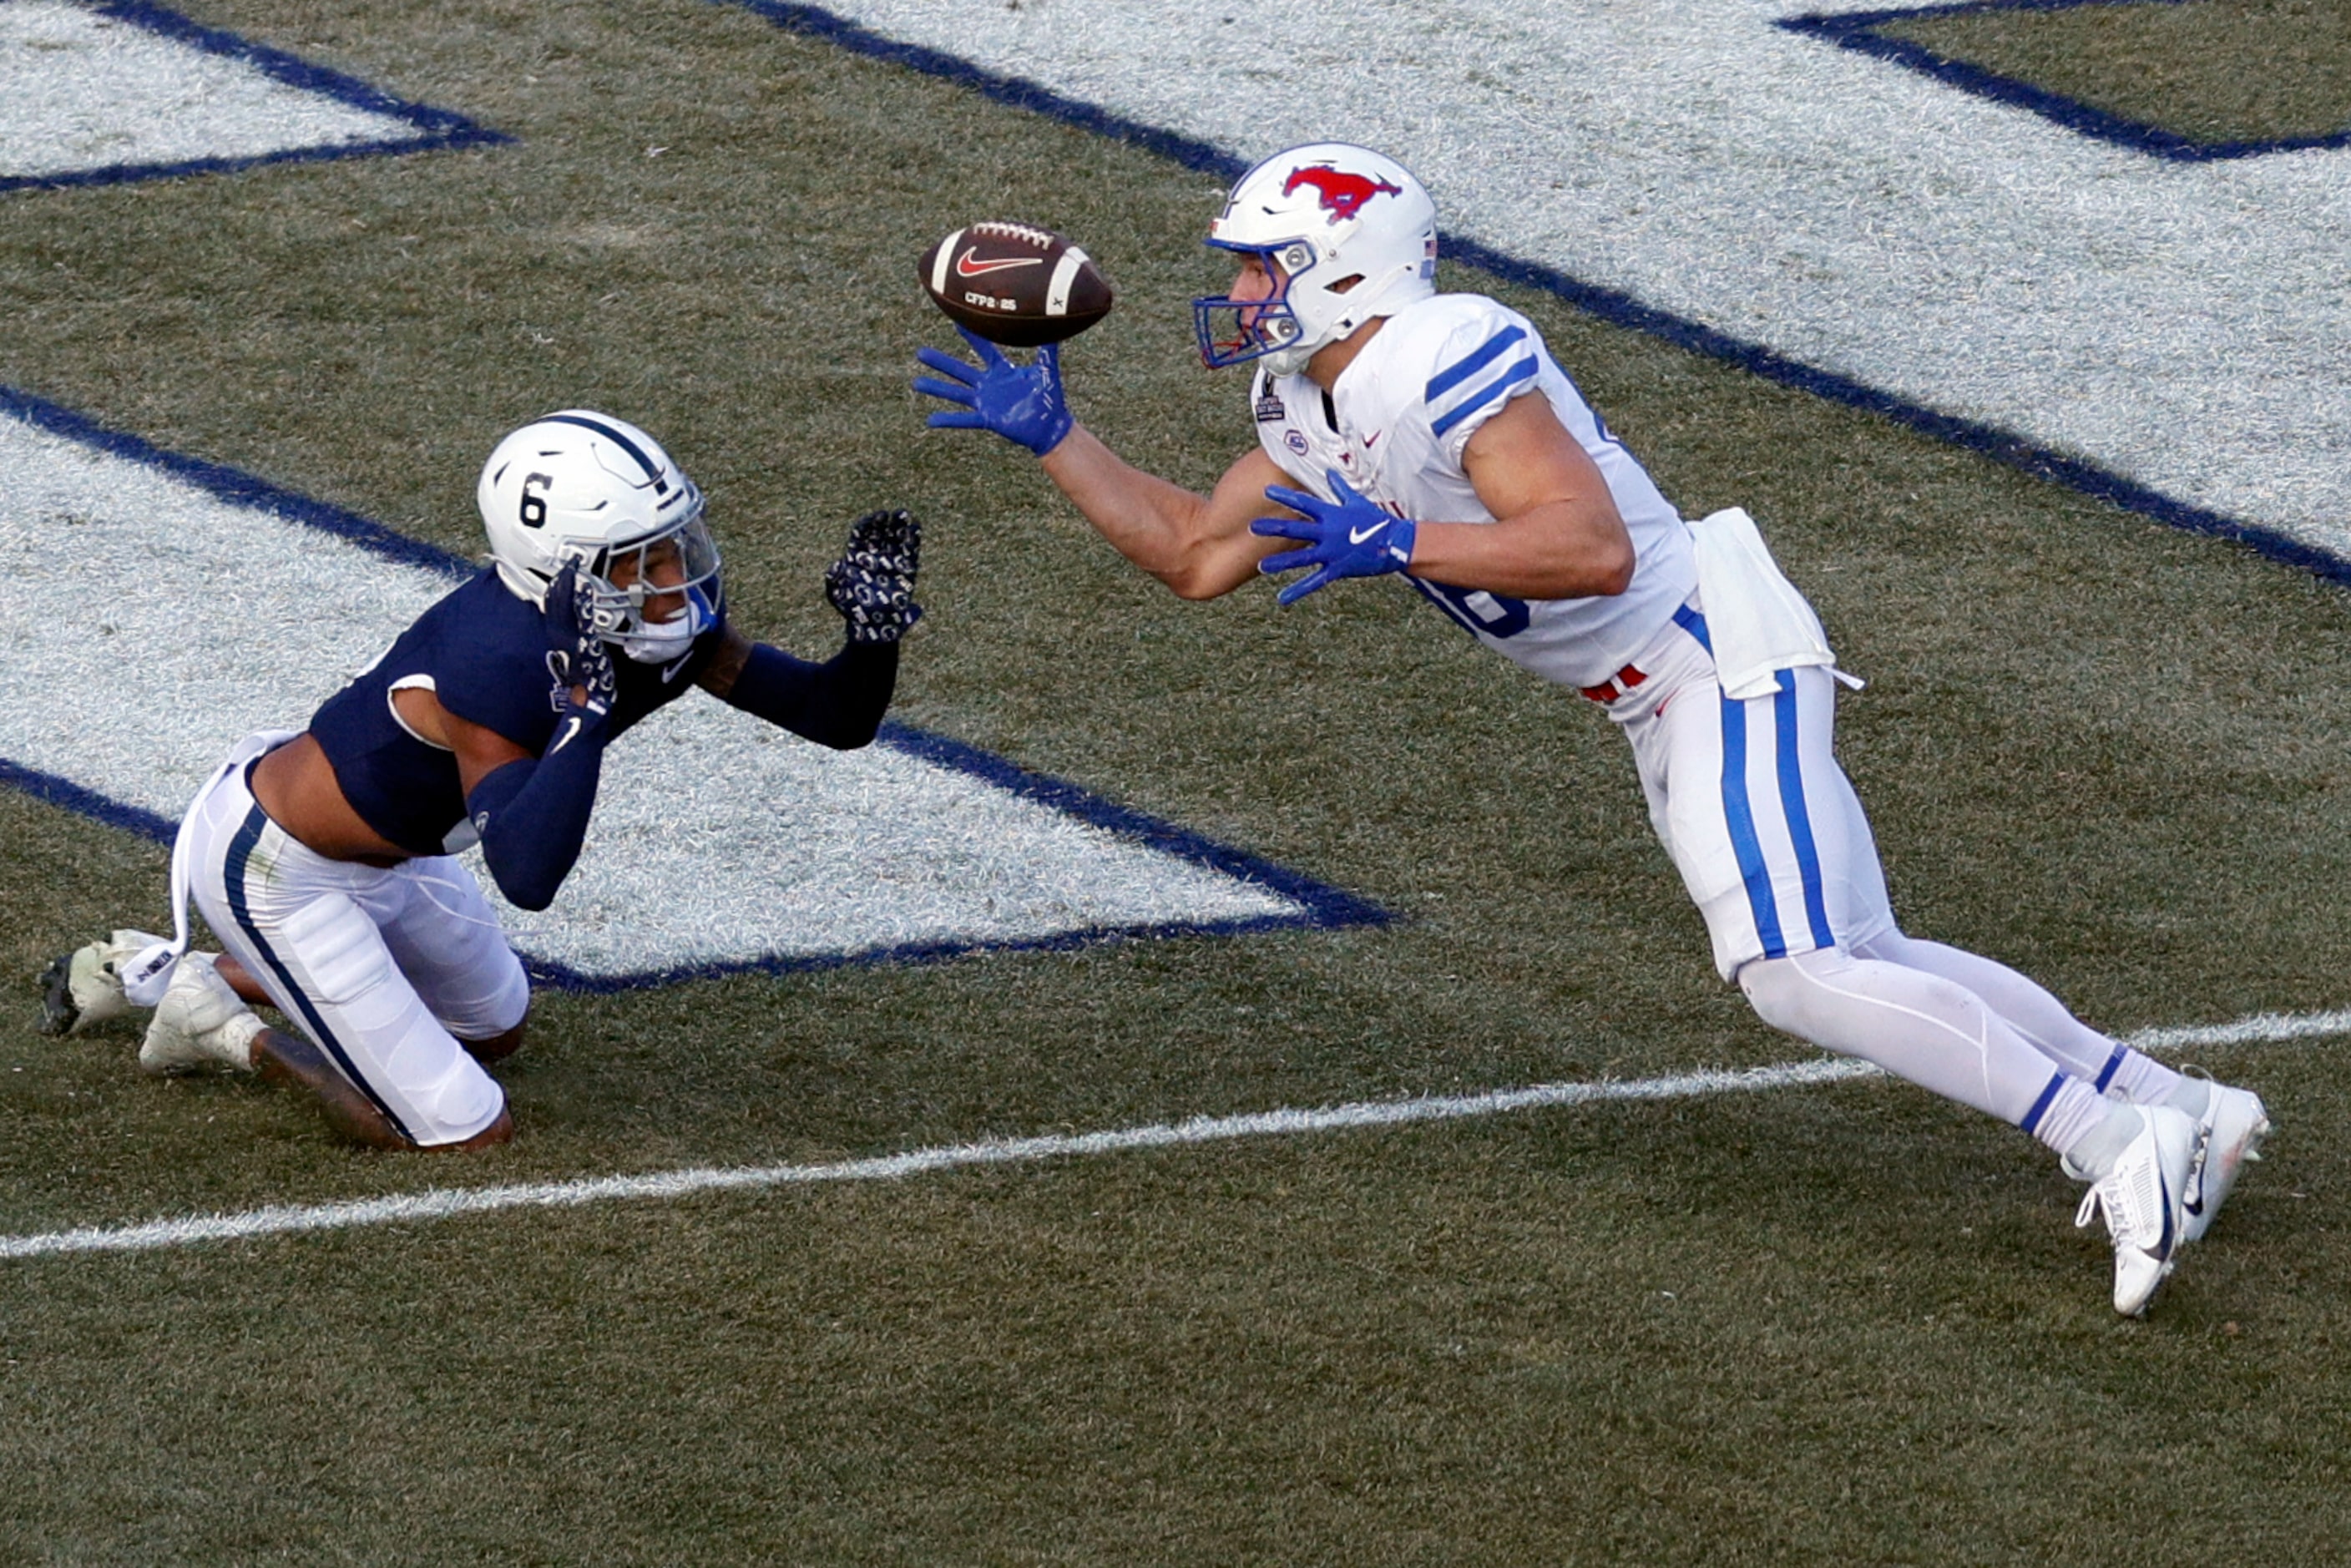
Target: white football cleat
84 988
200 1023
2145 1197
2234 1124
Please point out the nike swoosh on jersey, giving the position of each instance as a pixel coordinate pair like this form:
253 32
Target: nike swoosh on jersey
1372 437
669 672
966 267
573 724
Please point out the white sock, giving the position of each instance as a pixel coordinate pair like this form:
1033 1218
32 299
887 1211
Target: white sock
2192 1095
2091 1154
237 1033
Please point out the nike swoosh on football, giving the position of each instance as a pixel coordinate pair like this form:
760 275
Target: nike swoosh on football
966 267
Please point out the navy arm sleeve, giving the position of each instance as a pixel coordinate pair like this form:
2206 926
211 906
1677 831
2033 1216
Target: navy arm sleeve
838 703
532 816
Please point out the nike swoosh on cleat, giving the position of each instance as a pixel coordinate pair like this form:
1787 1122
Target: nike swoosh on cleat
2192 1200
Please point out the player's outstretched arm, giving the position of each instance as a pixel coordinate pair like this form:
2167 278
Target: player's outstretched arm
840 702
1199 546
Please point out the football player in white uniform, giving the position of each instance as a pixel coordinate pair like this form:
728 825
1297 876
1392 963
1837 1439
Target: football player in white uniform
1432 436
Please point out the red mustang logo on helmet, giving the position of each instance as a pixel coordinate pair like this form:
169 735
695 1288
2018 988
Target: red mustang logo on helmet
1343 194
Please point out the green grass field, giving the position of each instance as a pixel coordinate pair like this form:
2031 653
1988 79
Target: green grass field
2213 70
1839 1325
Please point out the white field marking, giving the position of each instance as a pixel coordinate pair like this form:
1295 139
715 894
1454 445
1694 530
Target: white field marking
82 93
2258 1030
442 1203
2187 326
718 839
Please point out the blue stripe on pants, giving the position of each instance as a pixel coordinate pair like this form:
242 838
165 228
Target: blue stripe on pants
1800 822
1741 819
240 852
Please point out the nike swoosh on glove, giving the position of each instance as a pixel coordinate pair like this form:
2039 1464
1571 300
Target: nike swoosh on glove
1352 537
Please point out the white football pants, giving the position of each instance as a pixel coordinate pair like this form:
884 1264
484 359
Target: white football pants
381 969
1774 849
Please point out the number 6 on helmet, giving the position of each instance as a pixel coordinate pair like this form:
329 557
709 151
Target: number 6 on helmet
581 486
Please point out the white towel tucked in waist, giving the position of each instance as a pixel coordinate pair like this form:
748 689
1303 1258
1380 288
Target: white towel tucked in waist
1759 623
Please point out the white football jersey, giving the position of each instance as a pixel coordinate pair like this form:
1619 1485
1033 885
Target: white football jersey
1395 427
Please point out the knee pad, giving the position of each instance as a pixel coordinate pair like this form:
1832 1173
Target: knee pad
336 948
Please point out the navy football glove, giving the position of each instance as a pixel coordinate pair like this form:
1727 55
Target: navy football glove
1349 538
1019 402
872 583
576 652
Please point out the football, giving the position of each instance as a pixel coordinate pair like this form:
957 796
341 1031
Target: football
1016 284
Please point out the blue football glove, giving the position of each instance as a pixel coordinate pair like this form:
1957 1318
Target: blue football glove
1349 538
576 652
1019 402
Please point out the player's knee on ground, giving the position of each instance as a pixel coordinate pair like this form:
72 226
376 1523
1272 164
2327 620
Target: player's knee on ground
497 1048
501 1131
488 1015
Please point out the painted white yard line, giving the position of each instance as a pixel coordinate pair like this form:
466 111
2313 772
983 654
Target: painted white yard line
2261 1029
442 1203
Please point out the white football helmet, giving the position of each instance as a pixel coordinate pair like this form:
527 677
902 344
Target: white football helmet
1348 233
583 486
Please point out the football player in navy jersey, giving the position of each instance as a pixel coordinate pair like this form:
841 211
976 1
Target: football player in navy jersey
1401 431
323 860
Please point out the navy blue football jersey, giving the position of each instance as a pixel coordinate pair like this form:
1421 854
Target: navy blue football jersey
483 651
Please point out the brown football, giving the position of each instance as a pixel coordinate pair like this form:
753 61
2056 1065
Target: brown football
1016 284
